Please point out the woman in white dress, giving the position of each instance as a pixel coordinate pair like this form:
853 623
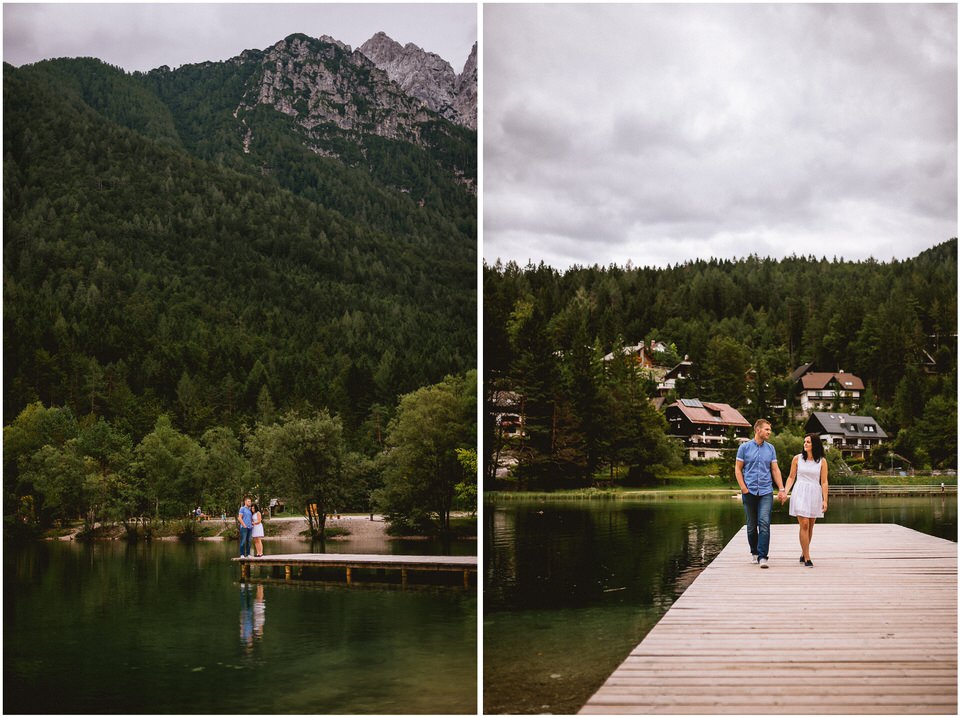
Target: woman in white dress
809 499
257 533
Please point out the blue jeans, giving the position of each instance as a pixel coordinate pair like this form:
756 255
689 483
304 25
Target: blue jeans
758 509
245 541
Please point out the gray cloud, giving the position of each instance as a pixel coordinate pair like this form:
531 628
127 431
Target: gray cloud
660 133
146 36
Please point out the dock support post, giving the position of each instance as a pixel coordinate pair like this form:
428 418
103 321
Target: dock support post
349 577
403 577
466 579
286 572
244 571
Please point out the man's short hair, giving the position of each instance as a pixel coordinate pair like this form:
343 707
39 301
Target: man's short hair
761 422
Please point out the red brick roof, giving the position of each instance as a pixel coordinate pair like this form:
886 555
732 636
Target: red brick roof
714 414
818 380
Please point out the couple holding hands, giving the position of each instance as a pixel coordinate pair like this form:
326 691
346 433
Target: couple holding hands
757 470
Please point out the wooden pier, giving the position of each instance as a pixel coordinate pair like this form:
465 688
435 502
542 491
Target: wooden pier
294 563
871 629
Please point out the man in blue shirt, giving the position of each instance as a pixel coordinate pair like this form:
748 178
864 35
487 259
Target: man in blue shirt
756 471
245 519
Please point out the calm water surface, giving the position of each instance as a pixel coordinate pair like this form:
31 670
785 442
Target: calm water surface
571 587
168 628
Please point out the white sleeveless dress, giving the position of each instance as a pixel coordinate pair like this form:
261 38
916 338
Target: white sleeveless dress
806 499
257 529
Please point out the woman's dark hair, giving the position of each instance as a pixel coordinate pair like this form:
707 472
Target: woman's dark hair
256 507
816 447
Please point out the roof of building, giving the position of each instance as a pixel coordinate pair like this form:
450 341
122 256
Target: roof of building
697 411
678 369
817 380
640 347
797 374
844 424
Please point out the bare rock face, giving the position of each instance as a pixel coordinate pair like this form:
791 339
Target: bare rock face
321 82
428 77
466 91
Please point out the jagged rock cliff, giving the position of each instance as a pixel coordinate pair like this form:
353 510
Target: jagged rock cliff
321 82
466 95
428 77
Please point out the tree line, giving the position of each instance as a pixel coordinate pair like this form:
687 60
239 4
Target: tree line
59 467
746 325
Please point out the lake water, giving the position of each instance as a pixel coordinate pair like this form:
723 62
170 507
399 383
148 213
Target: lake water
168 628
570 587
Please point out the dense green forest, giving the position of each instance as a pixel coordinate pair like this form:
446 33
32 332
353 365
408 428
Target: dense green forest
153 268
746 325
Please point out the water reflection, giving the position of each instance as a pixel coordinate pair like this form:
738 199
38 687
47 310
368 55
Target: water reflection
253 614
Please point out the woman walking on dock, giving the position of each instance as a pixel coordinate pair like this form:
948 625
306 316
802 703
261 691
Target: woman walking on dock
809 501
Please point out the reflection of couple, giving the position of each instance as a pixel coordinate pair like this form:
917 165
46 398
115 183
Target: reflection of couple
253 614
250 521
757 470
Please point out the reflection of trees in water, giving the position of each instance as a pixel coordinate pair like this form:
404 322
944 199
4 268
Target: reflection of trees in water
543 555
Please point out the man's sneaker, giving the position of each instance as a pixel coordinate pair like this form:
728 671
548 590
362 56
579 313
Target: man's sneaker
763 563
808 563
753 558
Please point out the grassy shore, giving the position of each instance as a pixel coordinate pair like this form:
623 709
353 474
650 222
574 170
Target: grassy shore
702 486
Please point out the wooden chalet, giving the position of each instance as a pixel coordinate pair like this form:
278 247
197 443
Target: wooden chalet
704 426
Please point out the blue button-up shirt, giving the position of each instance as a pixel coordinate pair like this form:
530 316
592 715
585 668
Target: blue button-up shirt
246 517
757 462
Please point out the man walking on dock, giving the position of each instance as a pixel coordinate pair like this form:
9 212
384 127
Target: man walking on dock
245 520
756 471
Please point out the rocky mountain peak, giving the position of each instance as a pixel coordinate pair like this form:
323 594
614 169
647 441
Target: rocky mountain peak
426 76
322 82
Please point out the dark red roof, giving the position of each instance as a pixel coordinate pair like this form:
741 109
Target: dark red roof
715 414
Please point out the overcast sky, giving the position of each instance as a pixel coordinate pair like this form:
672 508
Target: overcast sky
663 133
143 37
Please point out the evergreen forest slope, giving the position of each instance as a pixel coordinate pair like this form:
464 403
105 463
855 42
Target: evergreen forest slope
155 264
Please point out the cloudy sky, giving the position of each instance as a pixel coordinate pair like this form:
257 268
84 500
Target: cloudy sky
146 36
663 133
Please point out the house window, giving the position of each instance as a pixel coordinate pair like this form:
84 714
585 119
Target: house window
702 454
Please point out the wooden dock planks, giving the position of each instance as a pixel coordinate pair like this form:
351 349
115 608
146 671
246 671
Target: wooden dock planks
464 564
872 628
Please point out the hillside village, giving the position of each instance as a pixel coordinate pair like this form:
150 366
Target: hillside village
862 353
824 402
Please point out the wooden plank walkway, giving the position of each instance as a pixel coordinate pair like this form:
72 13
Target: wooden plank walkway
871 629
444 563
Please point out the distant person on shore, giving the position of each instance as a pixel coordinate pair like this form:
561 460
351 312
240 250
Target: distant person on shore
809 499
245 522
257 533
756 471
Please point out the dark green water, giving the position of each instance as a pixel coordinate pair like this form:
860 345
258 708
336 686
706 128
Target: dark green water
571 587
168 628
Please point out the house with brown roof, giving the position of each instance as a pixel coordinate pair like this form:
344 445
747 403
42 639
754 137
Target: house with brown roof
704 426
825 391
642 353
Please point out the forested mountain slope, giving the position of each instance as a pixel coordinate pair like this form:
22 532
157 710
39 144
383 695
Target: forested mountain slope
155 261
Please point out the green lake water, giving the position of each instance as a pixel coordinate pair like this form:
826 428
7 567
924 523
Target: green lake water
570 587
168 628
